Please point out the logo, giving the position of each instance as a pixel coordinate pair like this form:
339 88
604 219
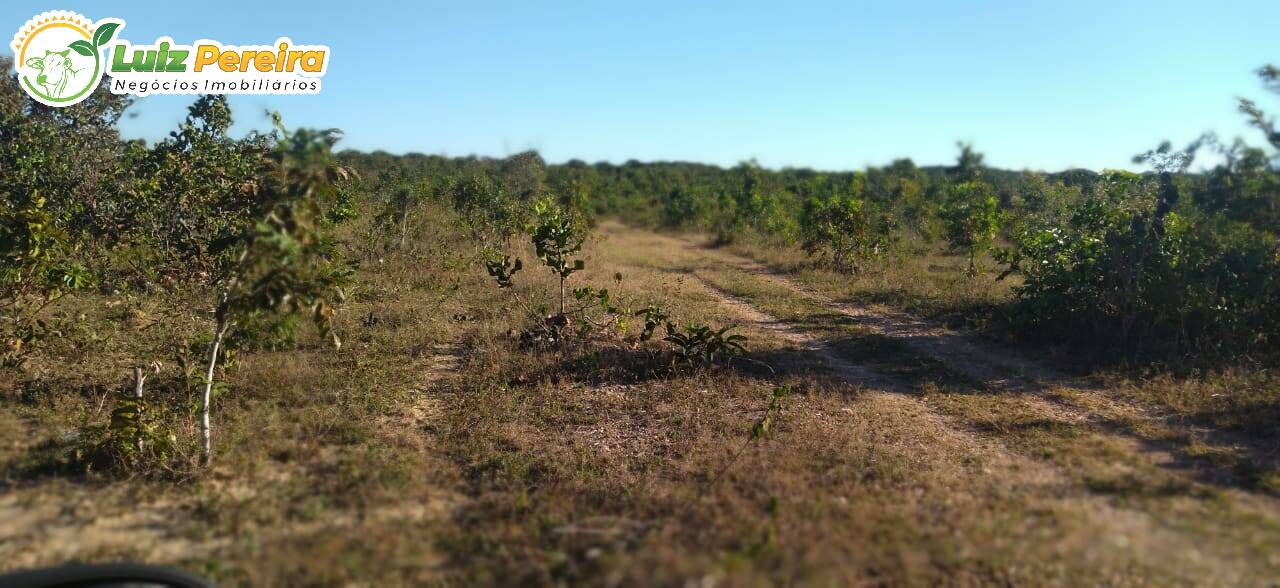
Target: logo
62 56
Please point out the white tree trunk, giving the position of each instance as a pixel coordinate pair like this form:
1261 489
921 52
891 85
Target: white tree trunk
206 400
139 378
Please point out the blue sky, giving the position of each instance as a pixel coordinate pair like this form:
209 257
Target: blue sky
830 85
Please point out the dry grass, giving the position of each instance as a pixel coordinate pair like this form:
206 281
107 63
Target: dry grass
434 449
924 280
1219 417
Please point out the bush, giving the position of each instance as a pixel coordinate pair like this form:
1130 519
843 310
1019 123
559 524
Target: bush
557 236
971 218
1133 268
698 346
133 438
847 229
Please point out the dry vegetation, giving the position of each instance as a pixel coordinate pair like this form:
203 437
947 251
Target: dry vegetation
434 448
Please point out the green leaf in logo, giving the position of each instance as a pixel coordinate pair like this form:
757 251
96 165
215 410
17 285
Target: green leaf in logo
82 47
103 35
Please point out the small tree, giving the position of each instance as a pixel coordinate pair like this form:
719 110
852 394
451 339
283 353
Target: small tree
971 216
845 227
969 164
194 194
35 269
401 193
401 202
61 183
282 266
491 211
556 238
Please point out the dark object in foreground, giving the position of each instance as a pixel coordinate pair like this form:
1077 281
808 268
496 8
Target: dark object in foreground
104 576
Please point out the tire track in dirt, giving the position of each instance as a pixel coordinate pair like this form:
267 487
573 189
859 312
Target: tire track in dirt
1044 391
1164 532
832 361
426 407
886 388
1063 398
878 389
997 369
1058 397
1038 479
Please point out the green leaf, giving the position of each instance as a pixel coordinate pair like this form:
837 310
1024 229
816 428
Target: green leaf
82 47
105 32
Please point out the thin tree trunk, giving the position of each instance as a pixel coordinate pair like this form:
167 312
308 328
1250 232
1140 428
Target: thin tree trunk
404 225
206 400
139 379
222 323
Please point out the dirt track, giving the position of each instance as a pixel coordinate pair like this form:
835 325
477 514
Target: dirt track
1038 392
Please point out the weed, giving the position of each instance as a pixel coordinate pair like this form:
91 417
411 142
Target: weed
698 346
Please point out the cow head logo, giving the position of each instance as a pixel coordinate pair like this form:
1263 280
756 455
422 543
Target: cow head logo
60 57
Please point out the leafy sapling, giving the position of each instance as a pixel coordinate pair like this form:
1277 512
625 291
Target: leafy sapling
698 346
282 266
503 270
764 425
653 317
590 298
972 217
846 227
760 430
556 237
36 269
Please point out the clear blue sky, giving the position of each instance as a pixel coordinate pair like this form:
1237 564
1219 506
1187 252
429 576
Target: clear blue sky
831 85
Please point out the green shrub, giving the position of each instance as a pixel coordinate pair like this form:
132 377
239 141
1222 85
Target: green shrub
971 218
556 237
698 346
502 270
845 228
1132 268
133 438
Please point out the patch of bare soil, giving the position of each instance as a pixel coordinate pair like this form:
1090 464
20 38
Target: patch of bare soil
442 363
620 428
40 528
